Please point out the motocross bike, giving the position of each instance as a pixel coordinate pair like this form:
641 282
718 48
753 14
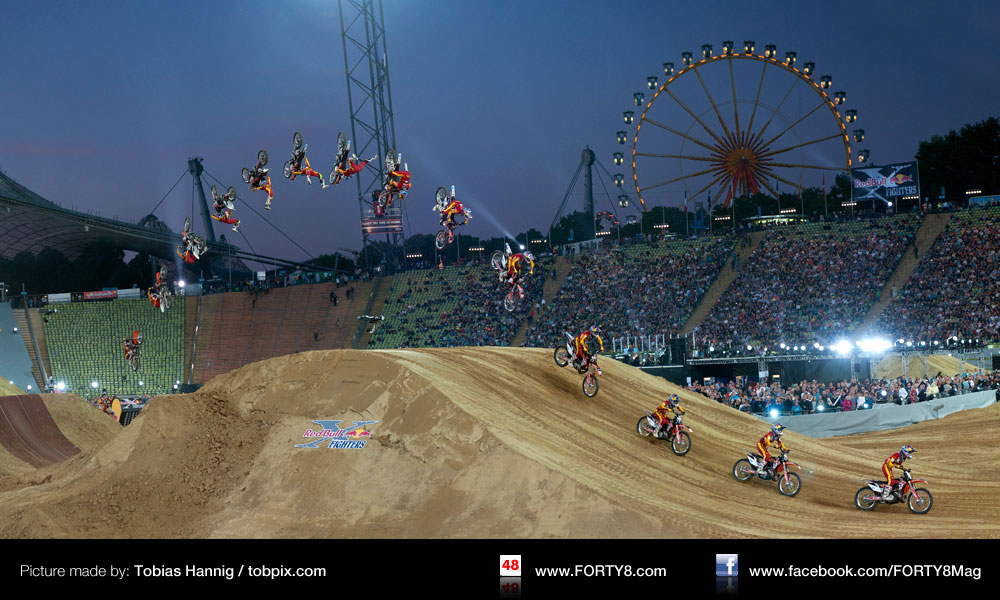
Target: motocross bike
789 484
133 359
447 235
680 441
343 148
261 161
392 188
195 243
919 500
565 353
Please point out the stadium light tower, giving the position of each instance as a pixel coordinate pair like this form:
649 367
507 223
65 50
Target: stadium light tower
369 100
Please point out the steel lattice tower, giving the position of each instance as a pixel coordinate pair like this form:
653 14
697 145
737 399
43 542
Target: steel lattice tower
369 98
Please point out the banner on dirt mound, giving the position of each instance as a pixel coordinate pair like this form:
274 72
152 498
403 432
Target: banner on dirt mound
101 295
888 184
373 225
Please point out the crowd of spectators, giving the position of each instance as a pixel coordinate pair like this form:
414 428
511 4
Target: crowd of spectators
807 397
810 283
454 306
955 290
649 288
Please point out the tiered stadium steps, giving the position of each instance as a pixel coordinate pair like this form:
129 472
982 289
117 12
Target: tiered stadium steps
235 330
84 341
552 285
21 318
726 276
382 288
930 229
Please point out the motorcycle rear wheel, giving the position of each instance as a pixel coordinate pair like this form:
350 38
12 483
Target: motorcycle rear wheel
441 240
590 385
743 470
510 300
297 140
640 427
287 170
681 443
790 487
262 157
866 499
496 260
246 175
920 501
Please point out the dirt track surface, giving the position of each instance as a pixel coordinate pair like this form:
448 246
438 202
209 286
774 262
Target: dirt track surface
479 442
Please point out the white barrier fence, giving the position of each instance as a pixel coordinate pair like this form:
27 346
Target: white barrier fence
882 416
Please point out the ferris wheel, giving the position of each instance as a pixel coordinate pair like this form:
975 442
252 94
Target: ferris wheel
737 124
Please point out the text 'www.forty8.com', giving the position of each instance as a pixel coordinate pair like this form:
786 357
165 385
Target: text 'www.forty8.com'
601 571
890 571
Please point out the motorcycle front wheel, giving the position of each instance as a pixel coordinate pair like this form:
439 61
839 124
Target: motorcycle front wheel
920 501
561 356
441 240
791 485
262 157
590 385
287 170
681 443
743 470
246 175
866 499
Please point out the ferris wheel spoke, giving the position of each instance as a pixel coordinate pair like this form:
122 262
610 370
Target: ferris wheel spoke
798 166
680 133
809 143
711 101
777 177
760 134
696 117
756 102
684 156
736 112
681 178
710 184
787 129
763 181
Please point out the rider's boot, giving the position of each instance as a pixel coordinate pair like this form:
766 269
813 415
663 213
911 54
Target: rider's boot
309 180
323 183
886 493
236 227
267 205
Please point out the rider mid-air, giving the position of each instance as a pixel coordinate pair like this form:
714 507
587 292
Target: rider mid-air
771 439
894 462
583 353
449 210
259 179
193 245
299 164
515 263
132 344
223 207
347 162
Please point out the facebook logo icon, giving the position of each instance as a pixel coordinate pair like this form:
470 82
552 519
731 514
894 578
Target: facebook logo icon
727 565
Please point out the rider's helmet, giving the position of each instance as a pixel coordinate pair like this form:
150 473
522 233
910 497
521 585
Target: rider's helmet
595 329
672 401
778 429
529 256
906 451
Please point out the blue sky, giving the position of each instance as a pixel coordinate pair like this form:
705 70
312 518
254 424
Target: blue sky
104 101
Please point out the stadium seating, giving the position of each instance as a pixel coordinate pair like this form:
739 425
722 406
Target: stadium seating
955 289
640 289
811 283
84 341
454 306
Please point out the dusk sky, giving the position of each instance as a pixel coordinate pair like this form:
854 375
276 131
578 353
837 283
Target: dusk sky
103 102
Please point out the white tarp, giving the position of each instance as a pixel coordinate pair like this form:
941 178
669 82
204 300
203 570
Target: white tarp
883 416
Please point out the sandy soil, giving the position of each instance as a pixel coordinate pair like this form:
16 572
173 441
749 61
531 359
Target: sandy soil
478 442
891 367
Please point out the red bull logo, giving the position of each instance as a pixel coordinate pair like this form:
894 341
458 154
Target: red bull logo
899 179
352 438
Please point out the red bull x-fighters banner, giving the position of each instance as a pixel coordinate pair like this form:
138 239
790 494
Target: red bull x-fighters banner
888 183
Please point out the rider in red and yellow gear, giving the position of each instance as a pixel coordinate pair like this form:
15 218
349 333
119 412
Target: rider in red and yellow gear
671 405
894 462
515 264
154 296
298 168
772 439
583 353
260 180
